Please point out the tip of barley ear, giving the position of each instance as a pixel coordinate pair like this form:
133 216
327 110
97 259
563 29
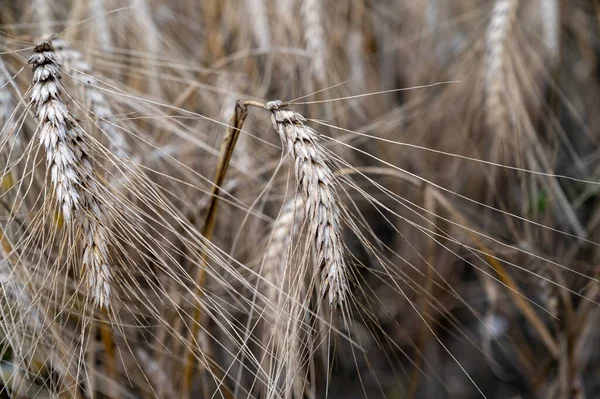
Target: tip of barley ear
335 288
43 46
102 298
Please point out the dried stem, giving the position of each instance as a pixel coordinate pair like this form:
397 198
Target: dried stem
227 147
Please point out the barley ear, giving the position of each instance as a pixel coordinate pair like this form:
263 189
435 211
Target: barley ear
69 161
316 183
283 231
498 37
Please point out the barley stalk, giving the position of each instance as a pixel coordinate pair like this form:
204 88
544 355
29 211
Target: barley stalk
102 28
285 7
260 25
70 164
550 17
541 276
316 182
227 147
314 36
5 98
42 10
355 57
150 36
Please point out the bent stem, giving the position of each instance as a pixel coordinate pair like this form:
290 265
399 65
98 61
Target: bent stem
227 146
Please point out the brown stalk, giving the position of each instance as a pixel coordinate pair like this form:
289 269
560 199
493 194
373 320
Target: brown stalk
106 336
227 147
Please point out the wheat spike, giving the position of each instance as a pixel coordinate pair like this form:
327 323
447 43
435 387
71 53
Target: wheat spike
316 182
70 164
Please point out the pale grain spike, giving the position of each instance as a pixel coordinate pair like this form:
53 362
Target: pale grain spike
316 183
283 231
69 160
498 37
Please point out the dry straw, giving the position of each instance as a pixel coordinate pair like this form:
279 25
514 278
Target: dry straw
316 183
69 161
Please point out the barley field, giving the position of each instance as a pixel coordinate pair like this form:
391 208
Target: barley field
300 199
